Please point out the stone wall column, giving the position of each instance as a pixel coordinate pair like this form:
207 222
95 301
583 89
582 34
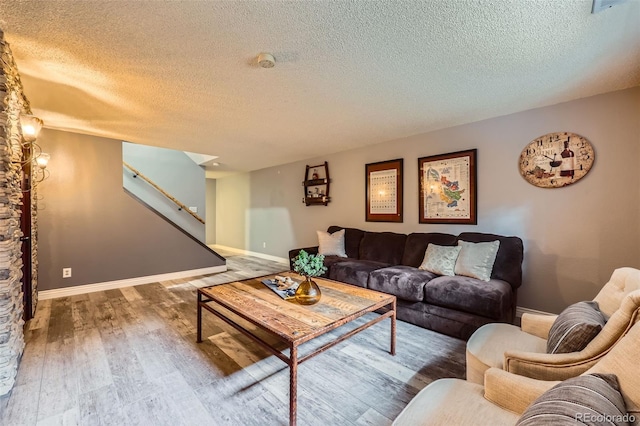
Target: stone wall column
12 104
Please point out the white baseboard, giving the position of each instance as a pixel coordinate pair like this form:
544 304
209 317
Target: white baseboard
250 253
520 310
110 285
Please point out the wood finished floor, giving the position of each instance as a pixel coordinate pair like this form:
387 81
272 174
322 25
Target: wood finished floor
129 357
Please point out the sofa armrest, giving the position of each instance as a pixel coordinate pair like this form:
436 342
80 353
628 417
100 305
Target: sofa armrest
293 253
512 392
538 325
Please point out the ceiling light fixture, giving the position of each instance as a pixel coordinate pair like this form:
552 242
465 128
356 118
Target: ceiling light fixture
266 60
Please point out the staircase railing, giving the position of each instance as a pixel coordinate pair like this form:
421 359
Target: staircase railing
181 206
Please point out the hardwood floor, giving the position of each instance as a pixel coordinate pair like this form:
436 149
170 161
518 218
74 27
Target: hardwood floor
129 356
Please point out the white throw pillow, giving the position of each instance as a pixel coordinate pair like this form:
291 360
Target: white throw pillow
331 244
440 260
476 259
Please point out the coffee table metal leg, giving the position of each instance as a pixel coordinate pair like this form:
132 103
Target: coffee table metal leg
393 330
293 385
199 338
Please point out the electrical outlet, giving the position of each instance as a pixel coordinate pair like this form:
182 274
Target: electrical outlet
66 272
264 244
193 209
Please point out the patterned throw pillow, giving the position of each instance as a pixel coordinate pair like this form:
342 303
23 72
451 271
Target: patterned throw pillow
592 399
331 244
476 259
574 328
440 259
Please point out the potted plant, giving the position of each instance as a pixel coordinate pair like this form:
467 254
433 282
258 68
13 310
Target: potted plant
308 265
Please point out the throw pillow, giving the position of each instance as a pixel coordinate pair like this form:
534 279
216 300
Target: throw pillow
440 259
476 259
574 328
592 399
331 244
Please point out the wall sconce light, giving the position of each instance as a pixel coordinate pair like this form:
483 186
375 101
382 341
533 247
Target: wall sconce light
31 126
40 173
43 160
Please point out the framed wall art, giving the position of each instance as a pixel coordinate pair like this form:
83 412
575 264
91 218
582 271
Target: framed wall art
384 191
448 188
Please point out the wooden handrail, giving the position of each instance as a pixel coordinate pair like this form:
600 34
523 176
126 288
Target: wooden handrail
163 192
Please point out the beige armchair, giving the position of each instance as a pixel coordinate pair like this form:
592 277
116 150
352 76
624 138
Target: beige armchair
505 396
523 350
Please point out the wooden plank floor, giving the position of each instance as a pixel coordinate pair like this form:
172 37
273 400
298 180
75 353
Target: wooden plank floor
129 357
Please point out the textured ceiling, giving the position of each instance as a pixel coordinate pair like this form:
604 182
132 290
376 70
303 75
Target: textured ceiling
183 74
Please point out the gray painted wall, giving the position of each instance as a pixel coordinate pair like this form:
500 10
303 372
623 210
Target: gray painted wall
574 236
176 174
210 220
87 222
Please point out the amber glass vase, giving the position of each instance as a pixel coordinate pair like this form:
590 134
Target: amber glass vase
308 292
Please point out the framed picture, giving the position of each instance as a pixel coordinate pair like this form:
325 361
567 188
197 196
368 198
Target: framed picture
384 191
448 188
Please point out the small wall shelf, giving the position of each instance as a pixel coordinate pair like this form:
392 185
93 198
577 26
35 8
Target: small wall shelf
316 185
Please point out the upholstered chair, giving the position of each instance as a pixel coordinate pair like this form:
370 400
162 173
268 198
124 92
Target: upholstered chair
523 350
505 396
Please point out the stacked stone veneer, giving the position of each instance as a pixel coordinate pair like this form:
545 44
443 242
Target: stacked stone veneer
12 103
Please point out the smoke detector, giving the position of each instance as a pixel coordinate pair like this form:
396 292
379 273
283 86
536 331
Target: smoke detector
600 5
266 60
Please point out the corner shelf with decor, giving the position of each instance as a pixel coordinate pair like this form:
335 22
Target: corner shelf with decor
316 185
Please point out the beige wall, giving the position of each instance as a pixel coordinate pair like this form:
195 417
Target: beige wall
232 209
574 237
210 220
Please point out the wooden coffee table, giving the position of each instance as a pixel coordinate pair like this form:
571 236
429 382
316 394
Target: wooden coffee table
292 323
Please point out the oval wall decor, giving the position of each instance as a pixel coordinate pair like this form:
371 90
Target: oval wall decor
556 159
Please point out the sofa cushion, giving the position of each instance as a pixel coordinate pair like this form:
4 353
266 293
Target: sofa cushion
352 238
331 244
404 282
486 298
574 328
354 272
416 245
441 260
385 247
508 264
476 259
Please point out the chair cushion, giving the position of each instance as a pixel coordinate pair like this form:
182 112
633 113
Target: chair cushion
476 259
441 260
487 345
489 299
404 282
453 402
354 272
575 327
331 244
592 399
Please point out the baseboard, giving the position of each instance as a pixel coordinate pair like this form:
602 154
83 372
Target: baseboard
520 310
110 285
250 253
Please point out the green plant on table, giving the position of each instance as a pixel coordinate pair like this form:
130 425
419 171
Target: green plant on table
309 265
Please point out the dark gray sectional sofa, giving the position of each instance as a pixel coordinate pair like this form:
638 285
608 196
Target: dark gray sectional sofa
456 306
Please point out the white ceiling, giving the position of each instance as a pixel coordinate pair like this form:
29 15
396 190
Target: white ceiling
183 75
